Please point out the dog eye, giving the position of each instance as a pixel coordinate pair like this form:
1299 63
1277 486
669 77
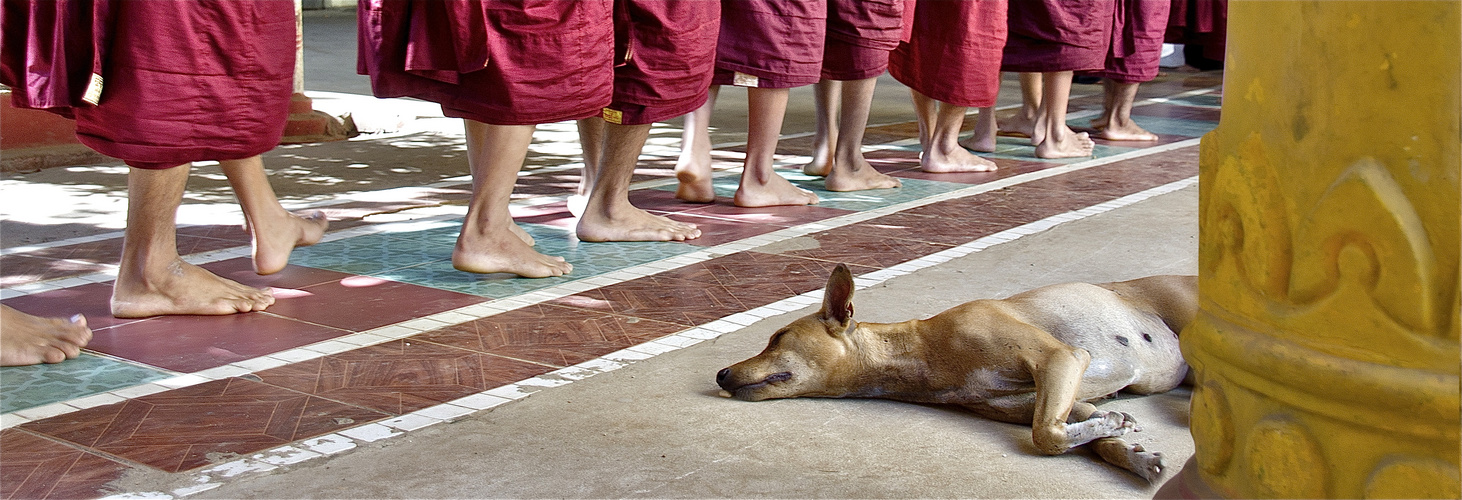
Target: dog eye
776 337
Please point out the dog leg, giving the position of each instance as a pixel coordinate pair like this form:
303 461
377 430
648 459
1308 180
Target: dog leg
1057 371
1132 457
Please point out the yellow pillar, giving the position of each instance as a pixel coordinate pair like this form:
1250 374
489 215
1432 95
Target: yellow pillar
1326 348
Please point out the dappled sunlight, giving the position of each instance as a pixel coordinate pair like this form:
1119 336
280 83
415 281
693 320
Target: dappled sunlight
289 293
362 282
586 302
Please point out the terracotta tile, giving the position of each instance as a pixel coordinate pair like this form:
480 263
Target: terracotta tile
19 269
36 467
1011 206
553 335
108 251
1128 176
360 303
905 226
292 277
91 300
230 232
718 231
850 245
186 428
781 216
192 343
401 376
706 291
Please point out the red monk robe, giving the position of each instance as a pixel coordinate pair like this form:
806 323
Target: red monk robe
500 62
955 51
162 99
860 35
1200 25
1056 35
1137 38
772 43
665 53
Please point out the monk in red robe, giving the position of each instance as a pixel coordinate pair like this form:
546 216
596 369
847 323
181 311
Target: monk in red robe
159 100
503 67
951 64
769 47
1050 40
860 35
1136 48
665 52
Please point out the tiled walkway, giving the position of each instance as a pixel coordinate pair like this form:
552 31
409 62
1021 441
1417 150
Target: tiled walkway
374 333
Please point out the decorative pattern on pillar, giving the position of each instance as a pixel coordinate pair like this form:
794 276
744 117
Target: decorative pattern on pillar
1327 345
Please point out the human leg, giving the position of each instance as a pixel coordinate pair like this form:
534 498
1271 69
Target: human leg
693 169
609 216
1023 124
944 154
152 279
760 185
591 139
1116 123
827 97
850 171
986 128
275 231
1057 140
29 340
488 243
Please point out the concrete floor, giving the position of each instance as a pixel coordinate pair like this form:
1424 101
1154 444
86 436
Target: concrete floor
656 429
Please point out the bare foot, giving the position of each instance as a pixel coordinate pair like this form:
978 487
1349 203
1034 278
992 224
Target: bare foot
183 288
953 160
633 224
1068 145
1129 131
695 185
505 252
984 143
863 178
273 240
774 191
523 233
29 340
1017 126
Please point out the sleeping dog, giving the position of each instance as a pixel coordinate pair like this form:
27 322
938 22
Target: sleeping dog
1037 358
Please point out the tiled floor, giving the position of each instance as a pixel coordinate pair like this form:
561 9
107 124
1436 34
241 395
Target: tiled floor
374 326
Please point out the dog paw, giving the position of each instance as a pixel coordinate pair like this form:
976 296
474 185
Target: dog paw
1147 464
1113 423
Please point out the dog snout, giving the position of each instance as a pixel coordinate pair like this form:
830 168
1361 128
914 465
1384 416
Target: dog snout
721 377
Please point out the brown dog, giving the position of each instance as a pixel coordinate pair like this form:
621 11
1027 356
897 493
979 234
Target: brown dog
1035 358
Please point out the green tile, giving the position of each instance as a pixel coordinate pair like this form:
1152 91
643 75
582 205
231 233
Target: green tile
24 387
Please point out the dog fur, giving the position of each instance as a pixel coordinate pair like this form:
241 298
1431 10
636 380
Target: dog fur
1037 358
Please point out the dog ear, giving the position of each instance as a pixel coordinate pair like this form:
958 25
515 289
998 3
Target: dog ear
837 300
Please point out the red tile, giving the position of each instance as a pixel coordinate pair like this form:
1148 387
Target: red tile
36 467
292 277
108 251
718 231
706 291
187 428
558 336
192 343
360 303
91 300
850 245
19 269
905 226
780 216
401 376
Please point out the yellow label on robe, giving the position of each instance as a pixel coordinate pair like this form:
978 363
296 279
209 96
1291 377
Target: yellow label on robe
93 93
744 80
613 116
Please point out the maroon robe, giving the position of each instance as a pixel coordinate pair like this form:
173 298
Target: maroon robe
1201 23
955 52
1059 35
860 35
665 56
1137 38
183 82
501 62
779 42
